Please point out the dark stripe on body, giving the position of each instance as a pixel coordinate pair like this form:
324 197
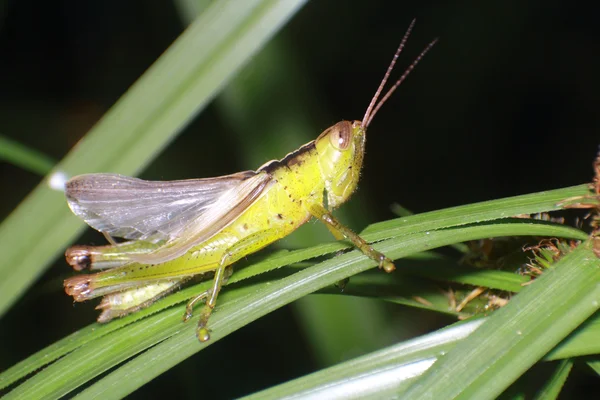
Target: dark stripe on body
290 159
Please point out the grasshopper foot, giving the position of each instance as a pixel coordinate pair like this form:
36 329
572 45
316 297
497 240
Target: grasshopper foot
187 314
203 335
202 332
386 264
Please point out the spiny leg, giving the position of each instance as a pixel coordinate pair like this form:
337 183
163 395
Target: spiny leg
240 249
121 303
321 213
189 308
202 331
335 232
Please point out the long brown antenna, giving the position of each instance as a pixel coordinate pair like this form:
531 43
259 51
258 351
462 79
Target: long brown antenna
372 111
368 117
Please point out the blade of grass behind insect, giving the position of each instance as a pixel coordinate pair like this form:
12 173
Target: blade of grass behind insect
24 157
179 84
230 316
519 334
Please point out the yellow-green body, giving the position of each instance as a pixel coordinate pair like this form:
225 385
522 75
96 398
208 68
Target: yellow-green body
298 182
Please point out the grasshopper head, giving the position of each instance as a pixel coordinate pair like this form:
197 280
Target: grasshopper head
341 149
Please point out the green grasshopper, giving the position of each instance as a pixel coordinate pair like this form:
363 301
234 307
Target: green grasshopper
176 230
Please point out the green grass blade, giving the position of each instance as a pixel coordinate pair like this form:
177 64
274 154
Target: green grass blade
519 334
404 212
24 157
583 342
376 374
173 90
551 200
92 360
594 365
382 373
512 227
552 389
255 302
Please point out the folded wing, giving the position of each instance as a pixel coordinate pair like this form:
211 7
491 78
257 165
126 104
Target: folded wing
181 213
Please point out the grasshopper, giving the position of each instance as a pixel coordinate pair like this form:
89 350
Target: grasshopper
176 230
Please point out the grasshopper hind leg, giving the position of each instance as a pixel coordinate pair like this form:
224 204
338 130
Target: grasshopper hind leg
210 295
207 294
121 303
240 249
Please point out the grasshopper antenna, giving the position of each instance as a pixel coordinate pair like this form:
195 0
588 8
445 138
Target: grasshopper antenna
374 106
368 116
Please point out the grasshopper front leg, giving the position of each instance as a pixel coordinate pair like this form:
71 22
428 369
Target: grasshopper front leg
337 229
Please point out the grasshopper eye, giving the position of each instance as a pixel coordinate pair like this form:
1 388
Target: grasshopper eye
341 135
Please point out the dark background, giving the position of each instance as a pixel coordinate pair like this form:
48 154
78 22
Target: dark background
505 104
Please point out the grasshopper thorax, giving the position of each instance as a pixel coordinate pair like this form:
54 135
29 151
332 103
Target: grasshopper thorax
340 150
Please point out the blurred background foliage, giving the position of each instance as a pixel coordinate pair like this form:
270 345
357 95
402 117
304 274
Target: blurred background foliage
503 103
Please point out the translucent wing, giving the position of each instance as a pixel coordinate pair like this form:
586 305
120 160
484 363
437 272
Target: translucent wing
226 210
154 211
